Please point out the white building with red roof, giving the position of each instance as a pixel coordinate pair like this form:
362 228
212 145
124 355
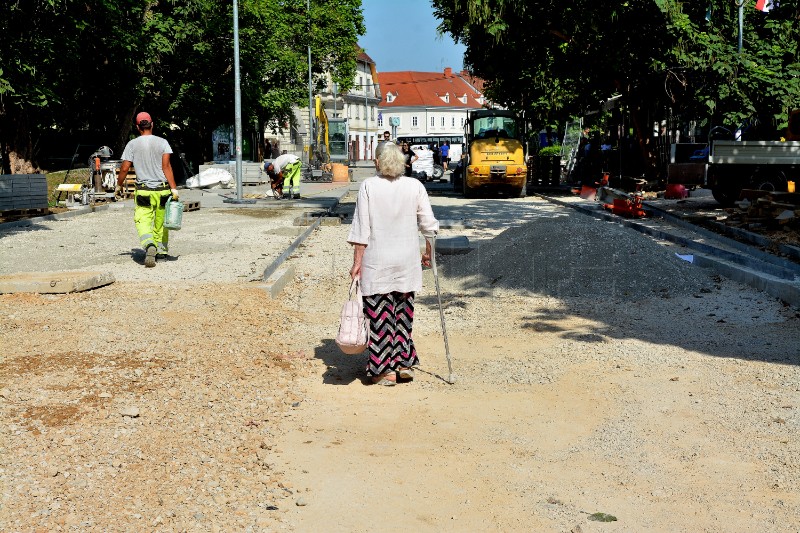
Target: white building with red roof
428 104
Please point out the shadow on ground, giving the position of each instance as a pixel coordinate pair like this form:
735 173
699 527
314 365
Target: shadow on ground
341 369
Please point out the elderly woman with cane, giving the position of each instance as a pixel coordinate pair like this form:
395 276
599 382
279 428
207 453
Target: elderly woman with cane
390 211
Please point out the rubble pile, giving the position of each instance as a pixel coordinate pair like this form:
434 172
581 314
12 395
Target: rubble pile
567 256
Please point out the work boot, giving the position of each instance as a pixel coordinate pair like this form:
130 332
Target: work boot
150 256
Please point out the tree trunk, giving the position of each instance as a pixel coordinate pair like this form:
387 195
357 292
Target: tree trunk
17 149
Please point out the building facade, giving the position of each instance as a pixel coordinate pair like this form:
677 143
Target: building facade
428 104
359 106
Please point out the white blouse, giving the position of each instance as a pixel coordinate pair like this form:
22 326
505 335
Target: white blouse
389 213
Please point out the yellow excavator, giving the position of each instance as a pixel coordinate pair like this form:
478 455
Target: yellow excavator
320 159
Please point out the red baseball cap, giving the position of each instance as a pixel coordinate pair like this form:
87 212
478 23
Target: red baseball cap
143 117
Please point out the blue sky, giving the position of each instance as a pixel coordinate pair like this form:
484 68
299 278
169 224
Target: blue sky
401 35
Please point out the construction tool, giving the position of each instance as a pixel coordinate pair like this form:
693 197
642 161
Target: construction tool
451 379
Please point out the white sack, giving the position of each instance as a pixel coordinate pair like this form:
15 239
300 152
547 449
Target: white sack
210 177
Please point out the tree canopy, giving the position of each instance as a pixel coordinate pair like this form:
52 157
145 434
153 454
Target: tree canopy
560 59
78 68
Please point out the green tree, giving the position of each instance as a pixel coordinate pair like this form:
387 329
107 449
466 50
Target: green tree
560 59
78 68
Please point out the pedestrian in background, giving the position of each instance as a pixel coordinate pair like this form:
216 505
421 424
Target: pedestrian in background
445 151
387 138
410 157
155 183
267 149
390 211
286 167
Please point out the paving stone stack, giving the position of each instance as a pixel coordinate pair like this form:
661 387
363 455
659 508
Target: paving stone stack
23 191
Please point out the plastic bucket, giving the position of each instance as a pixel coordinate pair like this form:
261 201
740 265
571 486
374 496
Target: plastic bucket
173 215
341 172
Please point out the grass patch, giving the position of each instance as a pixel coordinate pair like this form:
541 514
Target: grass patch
54 179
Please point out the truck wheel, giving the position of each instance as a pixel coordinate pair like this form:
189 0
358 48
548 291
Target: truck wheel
469 192
725 196
765 182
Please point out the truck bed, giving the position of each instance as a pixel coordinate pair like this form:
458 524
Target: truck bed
754 153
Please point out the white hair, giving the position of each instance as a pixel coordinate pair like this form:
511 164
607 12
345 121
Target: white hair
391 160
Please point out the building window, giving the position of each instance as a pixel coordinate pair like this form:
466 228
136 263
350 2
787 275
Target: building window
453 122
361 82
433 122
414 121
462 122
380 120
443 122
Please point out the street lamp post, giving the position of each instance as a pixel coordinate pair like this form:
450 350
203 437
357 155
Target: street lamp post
238 109
310 87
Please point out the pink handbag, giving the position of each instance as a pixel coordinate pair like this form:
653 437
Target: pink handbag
353 336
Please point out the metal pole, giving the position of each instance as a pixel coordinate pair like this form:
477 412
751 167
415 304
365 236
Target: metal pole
366 120
238 110
310 87
741 23
237 100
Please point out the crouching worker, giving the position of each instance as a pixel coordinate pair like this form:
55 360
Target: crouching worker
275 182
286 167
155 183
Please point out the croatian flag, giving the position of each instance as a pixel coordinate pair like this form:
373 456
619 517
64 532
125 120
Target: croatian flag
764 5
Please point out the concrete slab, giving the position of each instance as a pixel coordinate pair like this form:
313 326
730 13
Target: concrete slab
54 282
458 244
455 245
785 290
278 280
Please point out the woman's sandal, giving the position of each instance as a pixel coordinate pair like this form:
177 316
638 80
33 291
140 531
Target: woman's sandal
384 380
405 373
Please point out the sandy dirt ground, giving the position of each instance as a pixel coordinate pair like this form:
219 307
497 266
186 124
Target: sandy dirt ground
595 373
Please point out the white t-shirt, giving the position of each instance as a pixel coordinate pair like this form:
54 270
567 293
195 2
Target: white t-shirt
282 160
389 214
145 153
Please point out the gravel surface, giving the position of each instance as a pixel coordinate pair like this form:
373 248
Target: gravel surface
596 373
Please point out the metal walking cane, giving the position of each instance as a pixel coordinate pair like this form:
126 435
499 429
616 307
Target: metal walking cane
452 377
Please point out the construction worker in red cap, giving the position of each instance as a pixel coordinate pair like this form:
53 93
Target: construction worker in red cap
155 183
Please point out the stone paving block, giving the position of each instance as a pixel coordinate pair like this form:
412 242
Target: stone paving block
54 282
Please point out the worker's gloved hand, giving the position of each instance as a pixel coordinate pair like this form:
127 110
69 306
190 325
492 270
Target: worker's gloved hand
118 190
174 194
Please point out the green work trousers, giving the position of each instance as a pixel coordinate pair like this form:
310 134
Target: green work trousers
148 215
291 179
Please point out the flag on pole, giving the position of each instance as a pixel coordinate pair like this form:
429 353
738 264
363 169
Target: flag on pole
764 5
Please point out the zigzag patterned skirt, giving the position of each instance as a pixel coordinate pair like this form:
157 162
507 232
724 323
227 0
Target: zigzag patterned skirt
391 318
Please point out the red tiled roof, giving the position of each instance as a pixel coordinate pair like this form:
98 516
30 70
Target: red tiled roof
363 56
427 89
